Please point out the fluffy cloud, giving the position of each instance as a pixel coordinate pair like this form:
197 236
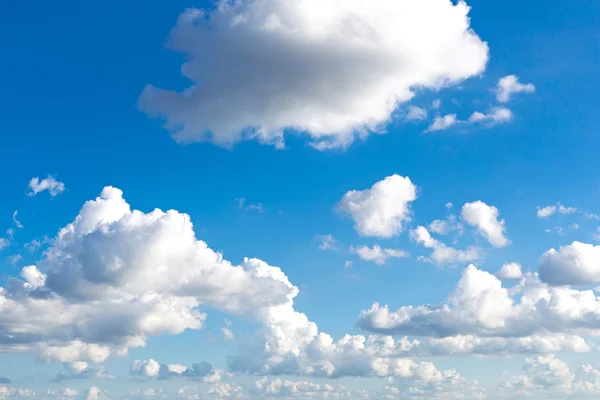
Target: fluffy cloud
498 115
416 114
444 227
327 242
510 85
278 388
485 219
442 123
547 211
81 370
331 70
480 306
152 369
381 210
378 255
575 264
443 254
510 271
49 184
551 376
114 276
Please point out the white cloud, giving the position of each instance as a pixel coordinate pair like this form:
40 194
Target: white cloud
18 223
443 254
347 264
551 377
378 255
278 388
443 123
485 219
444 227
118 276
331 70
545 212
381 210
150 368
498 115
328 242
49 184
510 85
481 306
575 264
227 334
436 104
416 113
510 271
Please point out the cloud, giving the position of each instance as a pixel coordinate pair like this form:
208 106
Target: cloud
330 70
510 271
278 388
510 85
547 211
443 123
443 254
575 264
444 227
416 114
498 115
381 210
551 376
243 205
378 255
49 184
4 380
485 219
480 306
328 242
81 370
119 275
152 369
18 224
227 334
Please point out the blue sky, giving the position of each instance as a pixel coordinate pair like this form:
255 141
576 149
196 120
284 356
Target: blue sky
92 97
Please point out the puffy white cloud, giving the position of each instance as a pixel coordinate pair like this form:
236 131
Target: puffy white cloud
485 219
416 113
378 255
278 388
550 376
545 212
227 334
202 371
50 184
510 85
330 69
81 370
381 210
510 271
443 254
114 276
480 306
94 393
327 242
148 368
445 226
497 115
575 264
442 123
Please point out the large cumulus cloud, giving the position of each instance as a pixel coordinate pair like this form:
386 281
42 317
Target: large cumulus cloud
331 69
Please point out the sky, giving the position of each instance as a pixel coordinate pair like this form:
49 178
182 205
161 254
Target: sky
386 199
